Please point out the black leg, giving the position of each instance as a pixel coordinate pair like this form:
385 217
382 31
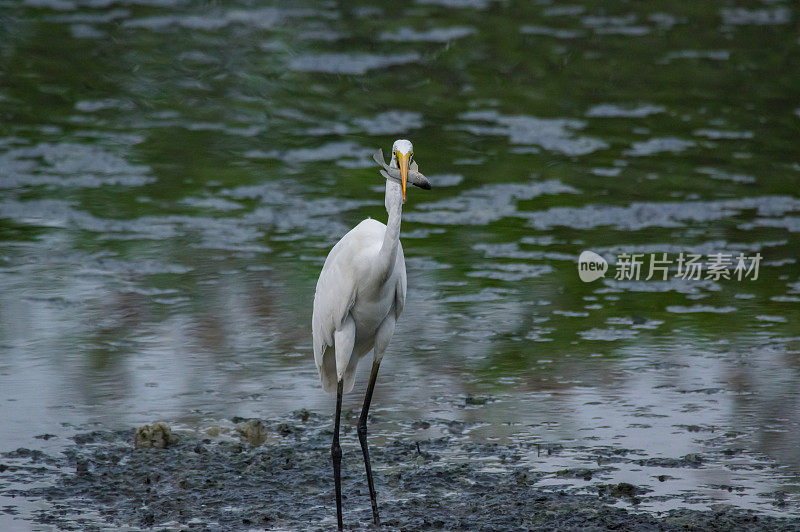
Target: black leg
336 455
362 437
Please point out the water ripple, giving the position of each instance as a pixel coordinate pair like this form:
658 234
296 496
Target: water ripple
552 134
761 17
624 111
659 145
68 164
485 204
406 34
348 63
640 215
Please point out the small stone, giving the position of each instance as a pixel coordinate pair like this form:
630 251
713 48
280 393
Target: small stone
623 489
155 436
148 518
693 458
578 472
472 400
731 451
303 414
455 427
626 489
82 467
253 432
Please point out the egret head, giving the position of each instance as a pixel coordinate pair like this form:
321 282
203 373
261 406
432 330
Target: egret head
402 154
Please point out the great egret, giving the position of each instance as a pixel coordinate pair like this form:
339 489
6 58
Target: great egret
360 295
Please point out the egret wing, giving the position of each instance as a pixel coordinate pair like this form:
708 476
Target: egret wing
333 300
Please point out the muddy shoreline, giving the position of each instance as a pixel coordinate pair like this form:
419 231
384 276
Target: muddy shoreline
276 475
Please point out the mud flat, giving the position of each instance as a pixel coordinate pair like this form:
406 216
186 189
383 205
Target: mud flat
259 474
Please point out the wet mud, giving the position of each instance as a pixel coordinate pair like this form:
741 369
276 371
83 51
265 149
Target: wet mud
276 474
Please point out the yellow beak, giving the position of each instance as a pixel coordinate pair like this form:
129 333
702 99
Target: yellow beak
402 162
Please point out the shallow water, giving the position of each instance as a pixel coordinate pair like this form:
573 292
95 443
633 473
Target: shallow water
172 175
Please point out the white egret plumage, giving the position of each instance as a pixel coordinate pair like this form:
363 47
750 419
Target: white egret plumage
359 298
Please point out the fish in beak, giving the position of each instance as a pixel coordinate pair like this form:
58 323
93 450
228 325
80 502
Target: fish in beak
390 172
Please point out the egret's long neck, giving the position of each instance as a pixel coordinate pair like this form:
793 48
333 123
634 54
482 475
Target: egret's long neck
394 206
